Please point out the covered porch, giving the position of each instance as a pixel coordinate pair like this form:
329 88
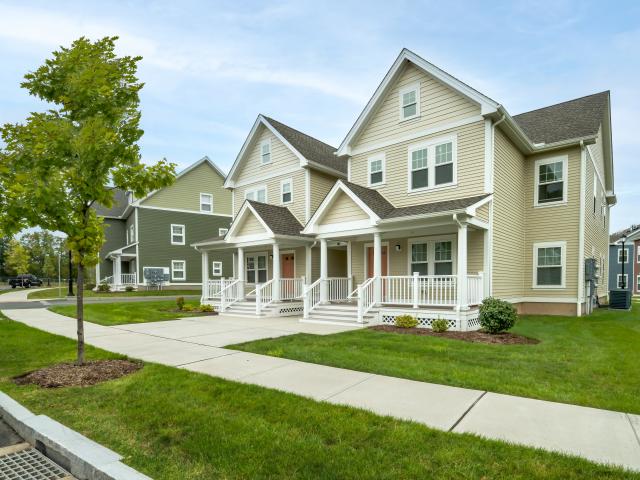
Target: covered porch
123 272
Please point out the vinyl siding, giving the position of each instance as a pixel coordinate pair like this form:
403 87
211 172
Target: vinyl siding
184 194
250 226
342 210
469 166
321 184
281 157
483 213
508 219
114 234
155 249
439 105
475 251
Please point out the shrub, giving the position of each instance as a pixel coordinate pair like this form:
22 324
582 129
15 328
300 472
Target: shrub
439 325
206 308
128 288
180 303
497 315
188 308
89 286
104 288
406 321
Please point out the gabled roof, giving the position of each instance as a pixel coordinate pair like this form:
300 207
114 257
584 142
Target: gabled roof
310 151
631 232
568 120
278 219
371 198
119 205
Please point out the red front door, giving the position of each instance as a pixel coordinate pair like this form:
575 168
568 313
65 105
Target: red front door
288 265
370 262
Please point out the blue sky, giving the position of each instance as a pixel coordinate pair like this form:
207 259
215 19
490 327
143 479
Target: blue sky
211 67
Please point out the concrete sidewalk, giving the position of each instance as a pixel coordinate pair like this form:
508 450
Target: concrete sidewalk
196 344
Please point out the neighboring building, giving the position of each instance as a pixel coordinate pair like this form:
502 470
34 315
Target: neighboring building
627 260
447 200
155 232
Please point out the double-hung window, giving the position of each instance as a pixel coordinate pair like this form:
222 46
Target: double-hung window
177 234
443 259
432 164
206 202
222 232
623 255
410 102
621 281
286 191
257 194
420 258
549 265
550 181
216 269
265 152
256 268
376 170
431 257
178 270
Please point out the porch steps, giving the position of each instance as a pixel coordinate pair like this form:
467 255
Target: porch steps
339 314
247 307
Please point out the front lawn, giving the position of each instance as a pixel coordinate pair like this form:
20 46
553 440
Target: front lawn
586 361
127 312
56 293
173 424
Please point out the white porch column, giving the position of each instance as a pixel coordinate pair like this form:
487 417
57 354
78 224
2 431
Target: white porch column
463 303
117 271
323 270
240 269
349 268
275 288
308 265
377 268
205 275
486 266
234 262
97 273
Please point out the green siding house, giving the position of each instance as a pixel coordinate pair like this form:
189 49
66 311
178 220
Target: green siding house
156 232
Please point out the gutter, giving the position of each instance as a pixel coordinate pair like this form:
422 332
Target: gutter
581 223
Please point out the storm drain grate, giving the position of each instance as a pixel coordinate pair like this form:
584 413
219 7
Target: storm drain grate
29 464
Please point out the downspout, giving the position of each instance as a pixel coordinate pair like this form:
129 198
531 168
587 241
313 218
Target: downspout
493 159
583 176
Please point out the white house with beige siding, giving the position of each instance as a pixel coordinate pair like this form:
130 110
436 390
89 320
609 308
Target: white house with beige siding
436 199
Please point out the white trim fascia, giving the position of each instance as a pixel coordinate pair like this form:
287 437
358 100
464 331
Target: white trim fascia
581 232
563 265
324 169
487 105
307 195
476 222
415 135
349 169
342 227
230 237
181 210
488 156
119 251
184 234
135 220
595 168
565 180
383 158
471 209
423 216
328 200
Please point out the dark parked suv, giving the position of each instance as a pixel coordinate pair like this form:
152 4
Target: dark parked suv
27 280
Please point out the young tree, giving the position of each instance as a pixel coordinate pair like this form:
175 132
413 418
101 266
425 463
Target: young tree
4 246
60 162
16 258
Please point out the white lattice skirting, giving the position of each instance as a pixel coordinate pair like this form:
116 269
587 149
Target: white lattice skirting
459 321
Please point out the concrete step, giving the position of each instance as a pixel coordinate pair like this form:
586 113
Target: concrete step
331 320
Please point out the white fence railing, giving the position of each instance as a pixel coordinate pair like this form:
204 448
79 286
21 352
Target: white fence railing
311 297
264 295
291 288
128 278
366 300
230 293
337 288
475 289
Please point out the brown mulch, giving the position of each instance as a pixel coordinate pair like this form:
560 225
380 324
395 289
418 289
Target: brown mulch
504 338
71 375
202 314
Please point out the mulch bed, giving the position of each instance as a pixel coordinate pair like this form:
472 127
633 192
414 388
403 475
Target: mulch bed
504 338
200 314
71 375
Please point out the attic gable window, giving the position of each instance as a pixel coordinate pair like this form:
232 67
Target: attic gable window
206 202
265 152
410 102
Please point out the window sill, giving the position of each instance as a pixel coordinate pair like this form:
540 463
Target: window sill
172 243
551 204
444 186
408 119
376 185
549 287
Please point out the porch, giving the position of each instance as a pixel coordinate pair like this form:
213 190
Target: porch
123 271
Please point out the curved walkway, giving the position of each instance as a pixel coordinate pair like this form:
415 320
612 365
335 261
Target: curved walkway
195 344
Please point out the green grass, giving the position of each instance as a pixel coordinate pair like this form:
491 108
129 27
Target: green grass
586 361
127 312
54 293
174 425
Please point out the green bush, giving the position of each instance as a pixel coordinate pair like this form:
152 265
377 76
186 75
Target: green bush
497 315
104 288
206 308
89 286
406 321
128 288
188 308
439 325
180 303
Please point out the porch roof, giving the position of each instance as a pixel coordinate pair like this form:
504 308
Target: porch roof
279 219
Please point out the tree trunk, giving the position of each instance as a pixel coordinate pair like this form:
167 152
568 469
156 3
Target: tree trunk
80 312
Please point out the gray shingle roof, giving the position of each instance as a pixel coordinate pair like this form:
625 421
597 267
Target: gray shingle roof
614 237
118 207
312 149
576 118
279 219
385 210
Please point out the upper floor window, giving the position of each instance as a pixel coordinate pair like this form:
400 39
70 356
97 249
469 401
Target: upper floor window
376 170
258 194
132 233
206 202
551 181
222 232
432 164
549 265
265 151
623 255
177 234
410 102
286 191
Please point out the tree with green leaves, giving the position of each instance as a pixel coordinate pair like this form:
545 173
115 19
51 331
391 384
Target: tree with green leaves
16 258
59 163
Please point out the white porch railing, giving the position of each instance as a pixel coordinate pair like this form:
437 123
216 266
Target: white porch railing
108 280
230 293
311 297
337 288
475 289
291 288
366 297
264 295
125 279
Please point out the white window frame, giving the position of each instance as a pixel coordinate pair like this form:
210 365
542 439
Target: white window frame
255 264
431 252
268 144
284 182
563 264
184 234
210 197
638 283
222 232
565 180
409 88
626 255
626 281
255 190
184 271
132 233
383 161
216 268
431 145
